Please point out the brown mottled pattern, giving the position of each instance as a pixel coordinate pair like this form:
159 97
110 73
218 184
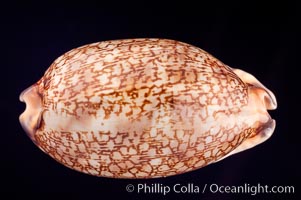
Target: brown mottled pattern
140 108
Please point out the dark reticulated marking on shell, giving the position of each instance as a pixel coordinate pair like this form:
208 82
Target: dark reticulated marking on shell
144 108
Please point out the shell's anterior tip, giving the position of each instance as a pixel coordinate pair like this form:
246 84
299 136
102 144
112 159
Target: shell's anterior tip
271 128
265 131
30 119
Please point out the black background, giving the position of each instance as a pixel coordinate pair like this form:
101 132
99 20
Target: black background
258 38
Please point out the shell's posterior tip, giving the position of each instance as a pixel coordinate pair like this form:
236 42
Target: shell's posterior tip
31 117
270 100
264 97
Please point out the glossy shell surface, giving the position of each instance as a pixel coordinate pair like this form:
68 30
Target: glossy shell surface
144 108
